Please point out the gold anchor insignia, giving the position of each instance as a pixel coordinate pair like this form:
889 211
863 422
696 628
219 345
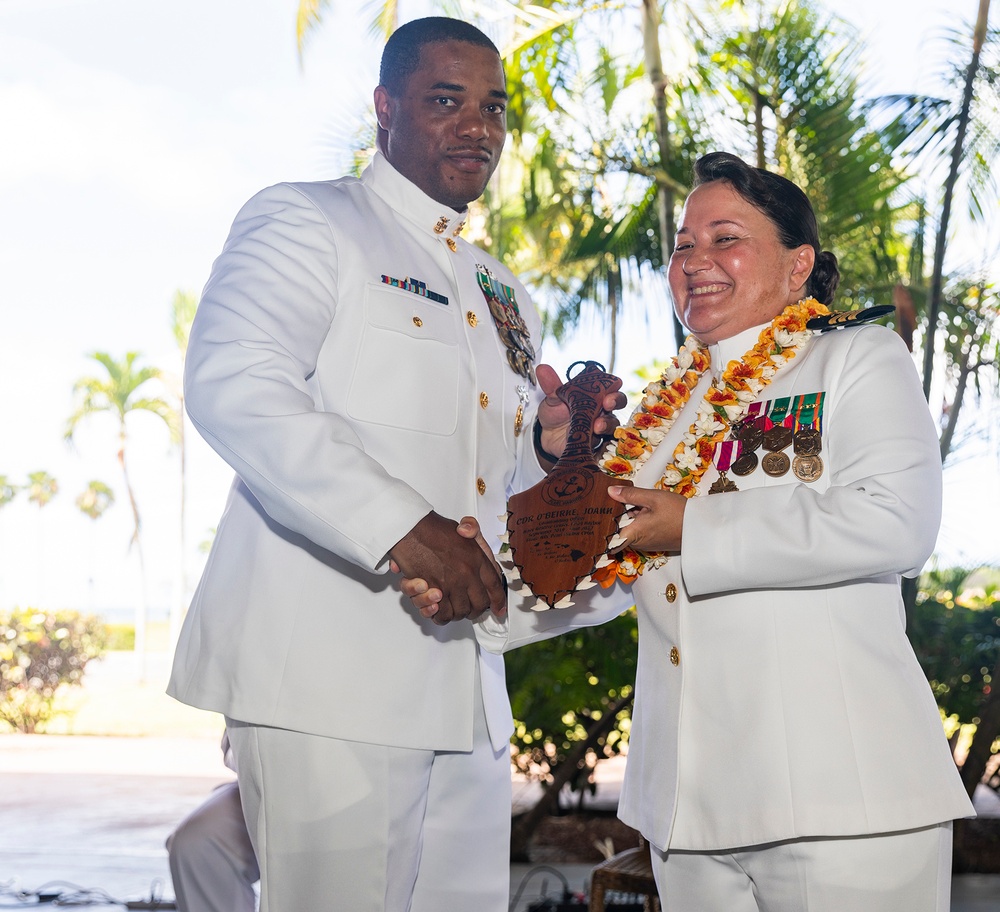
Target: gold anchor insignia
442 224
457 230
452 246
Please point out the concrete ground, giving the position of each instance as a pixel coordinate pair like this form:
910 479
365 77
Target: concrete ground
90 814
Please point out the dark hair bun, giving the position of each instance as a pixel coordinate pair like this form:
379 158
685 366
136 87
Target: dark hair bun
825 278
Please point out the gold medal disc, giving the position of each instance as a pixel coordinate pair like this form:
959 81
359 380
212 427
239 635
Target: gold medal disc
807 468
775 464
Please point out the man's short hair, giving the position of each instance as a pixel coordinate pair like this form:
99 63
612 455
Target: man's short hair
401 56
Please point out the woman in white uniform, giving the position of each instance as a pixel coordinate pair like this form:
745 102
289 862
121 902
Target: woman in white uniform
786 753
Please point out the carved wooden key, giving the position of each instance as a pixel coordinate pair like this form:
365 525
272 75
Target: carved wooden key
559 528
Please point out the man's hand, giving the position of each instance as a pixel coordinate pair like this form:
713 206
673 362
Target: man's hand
425 597
452 568
657 517
553 413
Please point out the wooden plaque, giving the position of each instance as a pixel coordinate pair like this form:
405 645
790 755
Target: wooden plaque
559 528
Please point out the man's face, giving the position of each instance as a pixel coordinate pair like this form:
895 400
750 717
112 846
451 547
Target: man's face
446 128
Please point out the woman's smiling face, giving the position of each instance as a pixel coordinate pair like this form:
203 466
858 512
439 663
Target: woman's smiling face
729 270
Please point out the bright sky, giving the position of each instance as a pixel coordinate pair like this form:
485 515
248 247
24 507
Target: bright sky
131 135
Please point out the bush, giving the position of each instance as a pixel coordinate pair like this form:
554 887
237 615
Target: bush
40 652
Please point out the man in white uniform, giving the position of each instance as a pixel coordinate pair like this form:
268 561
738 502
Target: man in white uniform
369 374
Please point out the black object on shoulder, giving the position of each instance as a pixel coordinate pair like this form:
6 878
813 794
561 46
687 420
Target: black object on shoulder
839 319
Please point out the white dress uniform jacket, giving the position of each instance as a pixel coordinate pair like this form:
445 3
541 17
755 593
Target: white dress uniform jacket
345 363
777 695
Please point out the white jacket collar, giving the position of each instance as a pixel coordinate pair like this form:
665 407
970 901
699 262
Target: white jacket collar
406 198
733 348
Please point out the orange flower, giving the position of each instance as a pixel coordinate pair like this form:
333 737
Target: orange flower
662 409
616 466
717 397
740 370
646 420
606 576
706 447
687 486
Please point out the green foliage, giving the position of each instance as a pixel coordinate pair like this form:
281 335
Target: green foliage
560 688
40 652
120 637
955 632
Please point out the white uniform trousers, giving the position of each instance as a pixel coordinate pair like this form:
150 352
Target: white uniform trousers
212 863
893 872
341 825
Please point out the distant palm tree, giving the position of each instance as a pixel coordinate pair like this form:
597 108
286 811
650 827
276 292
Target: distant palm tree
8 491
117 393
310 13
181 317
95 499
41 488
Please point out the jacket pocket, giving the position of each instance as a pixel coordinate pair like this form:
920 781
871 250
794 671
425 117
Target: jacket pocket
407 364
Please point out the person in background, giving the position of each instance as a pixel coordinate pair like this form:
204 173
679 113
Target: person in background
370 375
786 753
212 862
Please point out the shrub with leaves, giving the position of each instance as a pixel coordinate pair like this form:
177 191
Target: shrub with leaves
955 632
41 652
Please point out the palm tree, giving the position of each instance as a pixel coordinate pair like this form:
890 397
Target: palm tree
117 392
41 488
957 158
8 491
385 15
182 313
95 500
776 82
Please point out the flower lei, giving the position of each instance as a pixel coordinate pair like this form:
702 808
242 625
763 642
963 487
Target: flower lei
725 403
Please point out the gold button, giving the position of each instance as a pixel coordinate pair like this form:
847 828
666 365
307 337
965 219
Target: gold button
417 321
675 656
671 593
480 486
484 400
472 318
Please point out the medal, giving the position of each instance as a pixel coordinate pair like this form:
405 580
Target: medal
807 441
751 436
522 395
511 328
777 438
724 458
807 468
745 464
722 484
775 464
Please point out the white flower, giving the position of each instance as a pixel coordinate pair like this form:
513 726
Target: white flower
628 567
658 561
708 425
687 460
734 411
655 435
684 358
671 477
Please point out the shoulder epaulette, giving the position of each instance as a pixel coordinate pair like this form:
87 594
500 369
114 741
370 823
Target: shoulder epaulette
838 319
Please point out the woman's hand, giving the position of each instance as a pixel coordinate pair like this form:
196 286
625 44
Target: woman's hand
657 517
